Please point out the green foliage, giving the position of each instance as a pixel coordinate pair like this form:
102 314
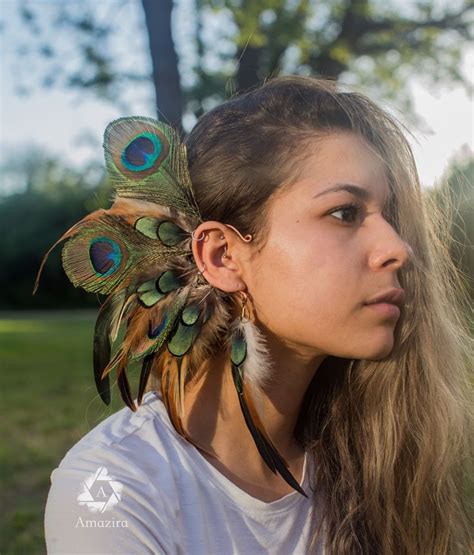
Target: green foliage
366 43
369 43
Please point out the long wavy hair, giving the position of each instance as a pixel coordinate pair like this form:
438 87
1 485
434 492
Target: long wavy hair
389 438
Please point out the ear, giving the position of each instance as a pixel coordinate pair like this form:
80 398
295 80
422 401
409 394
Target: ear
216 252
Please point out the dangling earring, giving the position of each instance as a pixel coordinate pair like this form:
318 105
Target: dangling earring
257 358
244 312
250 365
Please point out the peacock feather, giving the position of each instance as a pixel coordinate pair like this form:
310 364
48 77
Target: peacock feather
139 252
141 153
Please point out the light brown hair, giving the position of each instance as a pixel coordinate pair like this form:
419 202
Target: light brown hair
390 438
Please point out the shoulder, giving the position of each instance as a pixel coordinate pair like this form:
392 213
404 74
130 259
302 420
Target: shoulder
120 475
140 446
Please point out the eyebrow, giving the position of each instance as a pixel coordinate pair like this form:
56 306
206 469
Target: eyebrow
358 192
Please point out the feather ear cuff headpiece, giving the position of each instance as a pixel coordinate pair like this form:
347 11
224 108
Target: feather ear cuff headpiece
139 253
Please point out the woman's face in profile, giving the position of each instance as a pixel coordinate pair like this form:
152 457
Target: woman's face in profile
328 253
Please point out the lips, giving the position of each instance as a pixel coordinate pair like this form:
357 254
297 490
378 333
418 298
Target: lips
394 296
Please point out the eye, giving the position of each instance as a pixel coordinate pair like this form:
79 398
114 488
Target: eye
351 212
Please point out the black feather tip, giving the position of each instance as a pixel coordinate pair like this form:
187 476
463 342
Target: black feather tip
271 457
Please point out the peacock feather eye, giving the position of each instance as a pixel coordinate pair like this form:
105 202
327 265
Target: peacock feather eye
105 255
141 153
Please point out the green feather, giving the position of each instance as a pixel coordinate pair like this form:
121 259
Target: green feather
191 314
147 225
167 232
152 291
238 348
187 330
149 294
169 281
183 339
158 334
170 234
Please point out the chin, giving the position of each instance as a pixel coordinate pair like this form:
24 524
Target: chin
373 349
378 345
375 352
379 352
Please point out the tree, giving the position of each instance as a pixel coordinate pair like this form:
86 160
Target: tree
362 41
164 59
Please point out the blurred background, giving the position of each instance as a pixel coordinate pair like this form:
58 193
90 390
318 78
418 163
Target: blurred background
68 68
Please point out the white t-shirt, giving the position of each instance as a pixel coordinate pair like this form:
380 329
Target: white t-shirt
133 485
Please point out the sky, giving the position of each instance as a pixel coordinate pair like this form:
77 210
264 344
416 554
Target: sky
70 125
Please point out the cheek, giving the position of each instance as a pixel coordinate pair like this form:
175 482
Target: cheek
301 286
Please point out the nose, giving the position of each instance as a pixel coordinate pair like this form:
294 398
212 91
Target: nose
390 249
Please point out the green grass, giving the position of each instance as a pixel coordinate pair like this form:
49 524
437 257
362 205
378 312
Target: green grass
49 401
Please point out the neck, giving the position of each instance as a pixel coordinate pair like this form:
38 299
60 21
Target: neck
212 411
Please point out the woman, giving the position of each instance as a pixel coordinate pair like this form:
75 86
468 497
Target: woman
313 398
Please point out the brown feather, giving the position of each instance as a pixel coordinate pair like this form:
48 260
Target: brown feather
119 358
115 325
173 394
182 374
164 362
212 332
131 209
168 365
137 340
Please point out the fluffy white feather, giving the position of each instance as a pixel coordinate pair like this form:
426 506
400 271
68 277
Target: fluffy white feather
257 365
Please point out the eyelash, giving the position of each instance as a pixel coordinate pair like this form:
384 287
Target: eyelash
354 207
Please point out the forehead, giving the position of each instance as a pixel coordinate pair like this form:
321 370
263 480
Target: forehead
344 158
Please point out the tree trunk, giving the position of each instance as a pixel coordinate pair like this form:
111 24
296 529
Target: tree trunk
164 61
